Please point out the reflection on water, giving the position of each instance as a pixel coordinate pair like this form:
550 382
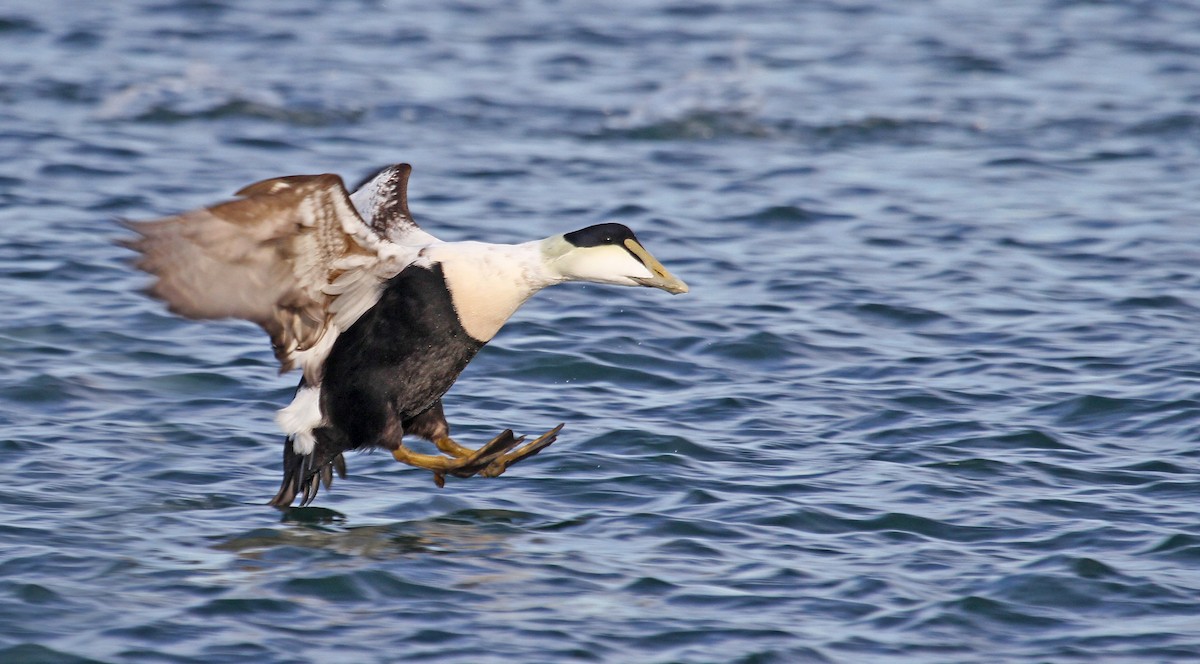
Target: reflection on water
326 529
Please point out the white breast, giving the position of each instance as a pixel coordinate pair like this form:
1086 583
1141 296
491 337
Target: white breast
489 282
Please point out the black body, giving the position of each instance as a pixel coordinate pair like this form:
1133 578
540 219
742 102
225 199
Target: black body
385 377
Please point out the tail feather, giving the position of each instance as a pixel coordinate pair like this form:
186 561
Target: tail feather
304 473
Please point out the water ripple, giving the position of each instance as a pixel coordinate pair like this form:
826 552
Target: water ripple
931 398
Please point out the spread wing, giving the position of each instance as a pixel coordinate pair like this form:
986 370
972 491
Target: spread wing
292 254
382 200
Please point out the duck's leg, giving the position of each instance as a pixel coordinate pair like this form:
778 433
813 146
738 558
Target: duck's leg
432 426
500 463
464 466
448 445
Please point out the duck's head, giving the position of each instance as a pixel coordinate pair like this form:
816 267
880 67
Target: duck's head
607 254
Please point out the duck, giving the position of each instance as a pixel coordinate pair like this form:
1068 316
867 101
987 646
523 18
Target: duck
379 316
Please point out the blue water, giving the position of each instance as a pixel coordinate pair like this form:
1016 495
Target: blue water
934 396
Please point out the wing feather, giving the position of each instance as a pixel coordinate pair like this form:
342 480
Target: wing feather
382 200
292 254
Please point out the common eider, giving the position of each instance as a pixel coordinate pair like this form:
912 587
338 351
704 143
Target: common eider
379 316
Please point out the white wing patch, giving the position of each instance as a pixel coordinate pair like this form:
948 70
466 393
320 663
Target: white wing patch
358 288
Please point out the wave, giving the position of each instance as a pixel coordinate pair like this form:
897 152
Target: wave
203 93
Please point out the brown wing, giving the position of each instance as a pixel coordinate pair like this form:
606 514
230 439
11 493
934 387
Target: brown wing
266 257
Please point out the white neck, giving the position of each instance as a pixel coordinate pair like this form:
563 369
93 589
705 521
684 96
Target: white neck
489 282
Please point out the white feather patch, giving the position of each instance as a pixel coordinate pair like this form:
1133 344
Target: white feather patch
300 417
311 360
356 292
605 264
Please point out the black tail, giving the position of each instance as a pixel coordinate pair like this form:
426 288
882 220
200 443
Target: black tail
306 472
